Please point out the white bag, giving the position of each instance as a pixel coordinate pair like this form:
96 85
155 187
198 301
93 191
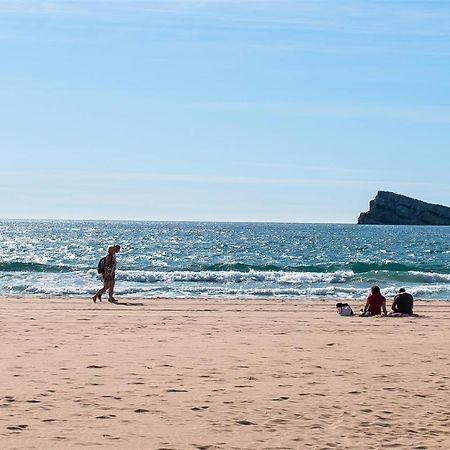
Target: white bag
344 309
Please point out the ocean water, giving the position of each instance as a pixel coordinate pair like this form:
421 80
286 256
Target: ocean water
238 260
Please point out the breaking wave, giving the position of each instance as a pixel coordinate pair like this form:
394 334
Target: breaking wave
20 266
233 277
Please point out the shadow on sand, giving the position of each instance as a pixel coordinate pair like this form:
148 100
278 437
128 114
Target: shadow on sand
126 304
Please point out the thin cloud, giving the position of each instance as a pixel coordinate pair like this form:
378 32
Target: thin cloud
136 177
420 18
127 177
432 114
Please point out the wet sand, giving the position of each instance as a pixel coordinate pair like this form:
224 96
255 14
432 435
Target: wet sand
209 374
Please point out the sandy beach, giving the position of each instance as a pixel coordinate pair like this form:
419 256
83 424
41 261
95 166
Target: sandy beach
210 374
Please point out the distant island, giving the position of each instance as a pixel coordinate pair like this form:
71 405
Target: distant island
389 208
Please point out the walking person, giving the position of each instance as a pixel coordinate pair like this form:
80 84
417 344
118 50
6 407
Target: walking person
108 275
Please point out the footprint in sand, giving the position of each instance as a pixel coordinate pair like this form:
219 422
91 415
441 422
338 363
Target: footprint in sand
199 408
108 436
245 422
279 421
17 427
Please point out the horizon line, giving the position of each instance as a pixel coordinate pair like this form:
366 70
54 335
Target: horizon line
42 219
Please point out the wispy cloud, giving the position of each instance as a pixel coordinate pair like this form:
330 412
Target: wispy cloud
121 178
137 177
422 18
417 114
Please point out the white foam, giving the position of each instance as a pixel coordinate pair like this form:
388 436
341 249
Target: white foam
182 284
430 277
234 277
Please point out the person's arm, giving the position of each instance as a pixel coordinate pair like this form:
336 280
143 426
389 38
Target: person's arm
366 307
412 302
394 304
384 307
108 261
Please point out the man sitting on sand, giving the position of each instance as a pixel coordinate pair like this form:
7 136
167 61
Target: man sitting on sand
403 302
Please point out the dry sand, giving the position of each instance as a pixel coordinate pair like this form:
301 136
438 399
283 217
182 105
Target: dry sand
207 374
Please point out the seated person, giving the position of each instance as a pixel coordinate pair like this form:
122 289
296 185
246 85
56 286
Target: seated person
375 303
403 302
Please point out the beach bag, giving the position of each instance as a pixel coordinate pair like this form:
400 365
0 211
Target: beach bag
344 309
101 265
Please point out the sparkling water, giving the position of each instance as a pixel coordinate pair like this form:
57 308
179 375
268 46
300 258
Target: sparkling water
237 260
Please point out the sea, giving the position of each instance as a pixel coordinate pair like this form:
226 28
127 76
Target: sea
225 260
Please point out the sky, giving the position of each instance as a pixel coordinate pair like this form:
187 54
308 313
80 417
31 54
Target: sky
221 110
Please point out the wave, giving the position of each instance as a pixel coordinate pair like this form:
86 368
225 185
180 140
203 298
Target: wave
287 292
184 286
286 278
403 277
233 277
245 268
353 266
357 267
249 276
19 266
364 267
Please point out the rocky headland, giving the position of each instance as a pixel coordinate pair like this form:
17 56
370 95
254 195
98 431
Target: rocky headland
388 208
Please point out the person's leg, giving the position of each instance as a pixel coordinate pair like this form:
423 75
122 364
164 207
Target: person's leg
99 293
111 291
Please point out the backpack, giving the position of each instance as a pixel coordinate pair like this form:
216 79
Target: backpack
101 265
344 309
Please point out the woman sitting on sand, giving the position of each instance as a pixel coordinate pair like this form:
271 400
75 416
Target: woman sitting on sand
375 302
108 275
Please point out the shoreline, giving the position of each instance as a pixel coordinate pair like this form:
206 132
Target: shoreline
129 298
221 374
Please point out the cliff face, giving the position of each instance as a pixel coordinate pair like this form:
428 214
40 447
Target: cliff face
393 209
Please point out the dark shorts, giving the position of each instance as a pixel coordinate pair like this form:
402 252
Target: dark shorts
108 278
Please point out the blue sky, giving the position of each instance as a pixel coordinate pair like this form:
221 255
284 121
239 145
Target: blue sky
258 110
